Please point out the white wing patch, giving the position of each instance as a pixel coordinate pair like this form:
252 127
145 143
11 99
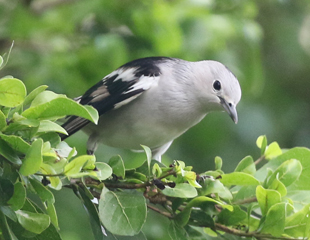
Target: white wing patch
127 74
144 82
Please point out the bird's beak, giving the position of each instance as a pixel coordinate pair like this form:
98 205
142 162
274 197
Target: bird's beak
230 109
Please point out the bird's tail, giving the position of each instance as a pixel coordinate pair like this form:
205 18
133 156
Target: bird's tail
72 125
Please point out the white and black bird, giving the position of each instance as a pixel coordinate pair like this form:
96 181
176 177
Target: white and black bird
152 101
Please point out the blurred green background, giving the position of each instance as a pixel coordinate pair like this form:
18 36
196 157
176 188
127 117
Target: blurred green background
70 45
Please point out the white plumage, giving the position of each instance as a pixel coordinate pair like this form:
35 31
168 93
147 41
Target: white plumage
152 101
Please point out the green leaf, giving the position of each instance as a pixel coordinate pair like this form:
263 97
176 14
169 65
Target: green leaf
298 223
181 190
33 160
18 199
246 165
261 143
73 168
245 192
65 151
93 113
8 153
299 153
117 165
33 222
135 162
200 201
49 170
299 197
51 211
183 217
278 186
8 211
148 153
210 185
267 198
273 150
2 121
58 107
191 177
156 170
202 218
230 218
22 124
31 96
275 220
50 233
6 231
288 172
16 142
176 232
45 97
218 163
238 178
122 213
210 232
92 213
49 126
103 171
12 92
44 194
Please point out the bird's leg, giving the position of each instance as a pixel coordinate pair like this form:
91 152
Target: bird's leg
92 145
90 152
157 152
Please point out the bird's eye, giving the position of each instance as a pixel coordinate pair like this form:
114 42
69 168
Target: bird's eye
217 85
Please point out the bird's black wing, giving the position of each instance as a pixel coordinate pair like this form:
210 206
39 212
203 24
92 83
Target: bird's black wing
117 89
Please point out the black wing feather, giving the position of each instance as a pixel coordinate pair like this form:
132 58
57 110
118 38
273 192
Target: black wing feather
104 95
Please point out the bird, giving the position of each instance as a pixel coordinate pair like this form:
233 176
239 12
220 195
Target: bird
151 101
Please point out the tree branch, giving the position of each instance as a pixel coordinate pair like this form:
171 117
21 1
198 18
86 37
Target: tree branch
127 185
249 234
166 214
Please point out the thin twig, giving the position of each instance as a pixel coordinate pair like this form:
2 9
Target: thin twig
171 172
249 234
260 159
50 175
166 214
127 185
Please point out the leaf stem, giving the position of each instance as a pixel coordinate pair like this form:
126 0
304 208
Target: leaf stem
50 175
260 159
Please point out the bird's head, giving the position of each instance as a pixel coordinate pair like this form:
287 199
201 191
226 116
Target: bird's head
221 88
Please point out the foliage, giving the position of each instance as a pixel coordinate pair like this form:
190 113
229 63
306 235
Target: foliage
249 202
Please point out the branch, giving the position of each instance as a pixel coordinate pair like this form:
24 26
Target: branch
166 214
171 172
50 175
260 159
249 234
127 185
